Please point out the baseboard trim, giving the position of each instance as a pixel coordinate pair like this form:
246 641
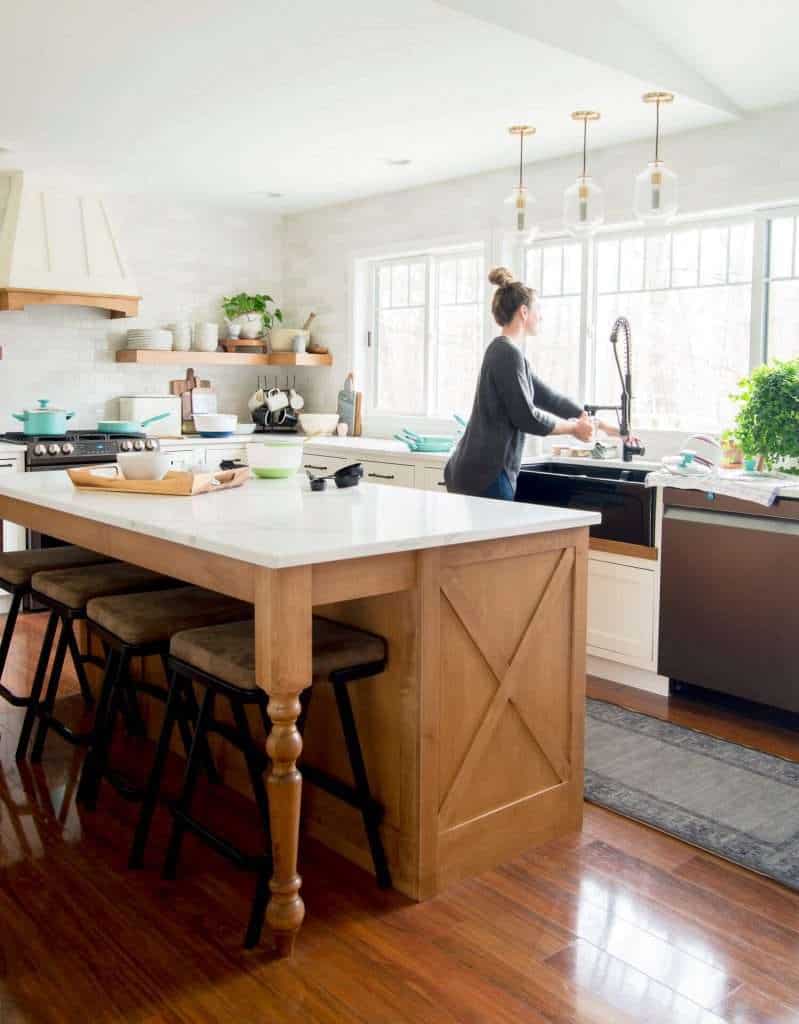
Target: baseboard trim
628 675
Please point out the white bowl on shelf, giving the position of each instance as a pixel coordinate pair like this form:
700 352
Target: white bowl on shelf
318 423
215 424
275 456
144 465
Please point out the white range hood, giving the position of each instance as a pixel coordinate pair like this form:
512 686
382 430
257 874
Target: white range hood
59 248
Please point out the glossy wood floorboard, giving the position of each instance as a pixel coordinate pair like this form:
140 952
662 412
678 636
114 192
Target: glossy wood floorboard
611 925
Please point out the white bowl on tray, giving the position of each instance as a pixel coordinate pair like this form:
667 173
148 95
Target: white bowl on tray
144 465
276 456
318 423
215 424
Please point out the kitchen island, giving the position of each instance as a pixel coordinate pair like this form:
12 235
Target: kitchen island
473 736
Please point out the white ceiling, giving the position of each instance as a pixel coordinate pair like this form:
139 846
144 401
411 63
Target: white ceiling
311 98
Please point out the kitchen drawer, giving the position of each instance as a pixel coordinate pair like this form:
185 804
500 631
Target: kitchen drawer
433 478
216 453
324 463
621 611
392 474
185 458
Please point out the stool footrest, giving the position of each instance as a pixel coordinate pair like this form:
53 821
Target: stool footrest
13 699
246 861
77 739
342 790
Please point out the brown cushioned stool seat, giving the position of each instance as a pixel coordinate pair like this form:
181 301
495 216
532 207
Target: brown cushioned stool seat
16 570
67 591
221 659
228 652
17 567
155 617
75 589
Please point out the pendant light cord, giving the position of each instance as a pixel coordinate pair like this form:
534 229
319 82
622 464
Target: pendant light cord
521 160
585 144
657 132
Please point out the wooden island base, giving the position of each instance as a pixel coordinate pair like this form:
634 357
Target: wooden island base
473 737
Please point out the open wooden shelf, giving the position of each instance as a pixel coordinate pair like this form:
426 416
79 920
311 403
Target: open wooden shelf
192 358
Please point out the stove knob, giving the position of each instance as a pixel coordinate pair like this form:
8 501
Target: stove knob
150 445
68 448
126 446
53 449
138 445
39 449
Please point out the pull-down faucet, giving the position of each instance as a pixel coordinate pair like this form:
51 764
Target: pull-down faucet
630 446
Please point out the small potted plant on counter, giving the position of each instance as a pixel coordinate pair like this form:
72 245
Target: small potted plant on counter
732 456
252 314
767 424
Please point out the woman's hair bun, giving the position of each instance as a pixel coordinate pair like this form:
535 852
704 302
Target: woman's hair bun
501 277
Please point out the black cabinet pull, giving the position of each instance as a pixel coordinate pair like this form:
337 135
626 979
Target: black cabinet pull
310 465
382 476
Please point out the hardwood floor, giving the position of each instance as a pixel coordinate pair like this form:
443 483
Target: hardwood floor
612 925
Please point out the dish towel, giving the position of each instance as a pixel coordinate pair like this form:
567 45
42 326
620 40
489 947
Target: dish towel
732 483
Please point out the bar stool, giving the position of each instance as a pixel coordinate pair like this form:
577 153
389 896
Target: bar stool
222 660
66 592
142 625
16 570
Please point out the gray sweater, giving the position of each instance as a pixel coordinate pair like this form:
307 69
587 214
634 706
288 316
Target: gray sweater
510 402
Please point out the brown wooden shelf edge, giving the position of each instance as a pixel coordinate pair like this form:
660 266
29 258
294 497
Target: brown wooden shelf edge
13 299
223 358
618 547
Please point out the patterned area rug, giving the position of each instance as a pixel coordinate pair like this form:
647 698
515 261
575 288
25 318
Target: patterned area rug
725 798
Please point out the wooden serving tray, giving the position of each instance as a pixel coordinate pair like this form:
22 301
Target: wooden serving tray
177 482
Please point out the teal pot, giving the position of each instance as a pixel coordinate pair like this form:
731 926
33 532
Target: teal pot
44 419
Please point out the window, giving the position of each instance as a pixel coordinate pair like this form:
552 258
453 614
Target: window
688 296
555 270
782 288
428 331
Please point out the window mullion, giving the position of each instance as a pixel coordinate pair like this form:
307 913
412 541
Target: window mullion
430 327
758 329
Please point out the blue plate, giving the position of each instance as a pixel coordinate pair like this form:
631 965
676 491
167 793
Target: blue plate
215 433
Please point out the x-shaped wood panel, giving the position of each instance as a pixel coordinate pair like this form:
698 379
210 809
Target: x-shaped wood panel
508 675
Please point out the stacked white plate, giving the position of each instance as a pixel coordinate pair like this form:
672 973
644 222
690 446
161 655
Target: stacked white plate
149 338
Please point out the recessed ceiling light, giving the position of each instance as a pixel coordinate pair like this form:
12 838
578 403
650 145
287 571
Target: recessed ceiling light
268 195
401 161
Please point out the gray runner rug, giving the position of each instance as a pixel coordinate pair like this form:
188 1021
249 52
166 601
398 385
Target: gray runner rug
725 798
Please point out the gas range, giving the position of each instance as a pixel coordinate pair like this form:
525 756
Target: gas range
76 448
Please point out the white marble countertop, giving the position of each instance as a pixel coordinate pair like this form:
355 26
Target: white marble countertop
279 523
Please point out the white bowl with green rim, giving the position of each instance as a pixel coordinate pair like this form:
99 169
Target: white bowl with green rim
275 457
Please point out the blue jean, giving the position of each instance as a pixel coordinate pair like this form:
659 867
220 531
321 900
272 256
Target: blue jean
501 488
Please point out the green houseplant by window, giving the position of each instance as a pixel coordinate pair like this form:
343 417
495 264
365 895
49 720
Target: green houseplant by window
767 423
247 309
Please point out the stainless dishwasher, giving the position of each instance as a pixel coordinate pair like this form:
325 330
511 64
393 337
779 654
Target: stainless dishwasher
729 599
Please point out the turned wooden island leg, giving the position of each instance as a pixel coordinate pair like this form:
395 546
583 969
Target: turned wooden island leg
283 665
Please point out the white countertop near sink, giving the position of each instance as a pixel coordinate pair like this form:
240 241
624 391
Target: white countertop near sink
279 523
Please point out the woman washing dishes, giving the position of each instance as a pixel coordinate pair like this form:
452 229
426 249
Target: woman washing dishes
510 402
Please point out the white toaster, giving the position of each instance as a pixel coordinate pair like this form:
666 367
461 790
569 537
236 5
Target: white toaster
141 407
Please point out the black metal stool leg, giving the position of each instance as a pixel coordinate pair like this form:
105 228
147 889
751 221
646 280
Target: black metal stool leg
5 645
48 703
80 669
36 688
368 806
190 777
255 767
96 756
193 711
150 799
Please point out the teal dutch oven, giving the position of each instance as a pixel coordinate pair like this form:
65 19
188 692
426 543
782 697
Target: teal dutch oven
44 420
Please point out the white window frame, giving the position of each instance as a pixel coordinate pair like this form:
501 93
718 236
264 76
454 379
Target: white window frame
761 284
428 254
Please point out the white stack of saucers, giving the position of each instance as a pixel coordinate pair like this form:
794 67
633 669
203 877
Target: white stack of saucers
149 338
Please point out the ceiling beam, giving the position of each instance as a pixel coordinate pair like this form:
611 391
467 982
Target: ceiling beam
600 31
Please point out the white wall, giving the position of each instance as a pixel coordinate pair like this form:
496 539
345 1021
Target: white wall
184 257
754 161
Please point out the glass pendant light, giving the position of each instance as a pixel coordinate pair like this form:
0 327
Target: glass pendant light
520 197
656 188
583 202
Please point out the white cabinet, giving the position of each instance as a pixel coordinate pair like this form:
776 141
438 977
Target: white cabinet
430 478
622 608
216 453
393 474
13 535
185 458
324 463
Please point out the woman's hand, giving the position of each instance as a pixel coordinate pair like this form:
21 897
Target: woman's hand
582 428
608 428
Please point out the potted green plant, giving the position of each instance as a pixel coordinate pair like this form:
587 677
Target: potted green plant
251 313
767 423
